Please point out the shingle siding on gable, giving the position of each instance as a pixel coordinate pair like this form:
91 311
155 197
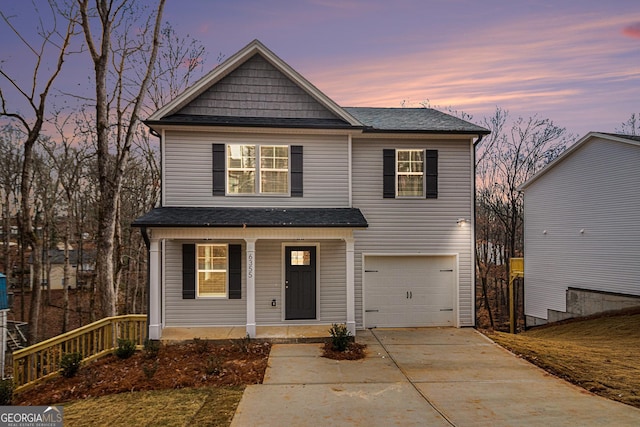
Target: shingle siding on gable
595 189
257 89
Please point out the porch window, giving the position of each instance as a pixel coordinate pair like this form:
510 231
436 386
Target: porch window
212 266
255 169
410 173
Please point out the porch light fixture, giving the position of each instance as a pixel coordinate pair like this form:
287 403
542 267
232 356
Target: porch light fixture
461 222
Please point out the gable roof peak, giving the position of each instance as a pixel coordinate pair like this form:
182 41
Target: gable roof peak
255 47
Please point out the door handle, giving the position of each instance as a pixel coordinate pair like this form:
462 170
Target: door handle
407 294
411 294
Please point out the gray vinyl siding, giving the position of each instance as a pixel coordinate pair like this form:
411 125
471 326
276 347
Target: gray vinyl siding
188 170
331 263
200 311
595 189
416 226
257 89
269 281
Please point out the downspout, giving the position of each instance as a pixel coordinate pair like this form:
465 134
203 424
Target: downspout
350 168
147 243
473 245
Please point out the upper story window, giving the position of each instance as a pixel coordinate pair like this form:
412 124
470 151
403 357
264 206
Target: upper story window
241 169
410 173
274 169
255 169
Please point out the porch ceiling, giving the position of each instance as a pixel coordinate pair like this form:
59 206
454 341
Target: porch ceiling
252 217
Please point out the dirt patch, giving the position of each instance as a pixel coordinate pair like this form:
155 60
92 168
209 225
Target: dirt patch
189 406
354 351
194 364
598 354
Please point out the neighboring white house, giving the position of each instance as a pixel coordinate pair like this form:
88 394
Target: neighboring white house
280 207
582 231
55 261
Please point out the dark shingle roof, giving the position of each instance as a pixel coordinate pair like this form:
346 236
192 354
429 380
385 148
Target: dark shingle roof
412 120
417 120
251 217
56 256
621 135
191 119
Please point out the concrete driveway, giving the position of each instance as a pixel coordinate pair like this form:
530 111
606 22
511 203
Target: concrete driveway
419 377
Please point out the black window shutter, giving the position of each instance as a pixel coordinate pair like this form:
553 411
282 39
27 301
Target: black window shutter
432 174
389 173
296 171
188 271
235 272
219 175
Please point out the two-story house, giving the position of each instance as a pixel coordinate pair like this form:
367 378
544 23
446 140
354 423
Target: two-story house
279 207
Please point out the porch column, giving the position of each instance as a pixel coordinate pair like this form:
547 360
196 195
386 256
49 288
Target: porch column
251 287
155 294
351 286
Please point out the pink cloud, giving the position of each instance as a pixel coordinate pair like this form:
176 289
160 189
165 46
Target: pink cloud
632 30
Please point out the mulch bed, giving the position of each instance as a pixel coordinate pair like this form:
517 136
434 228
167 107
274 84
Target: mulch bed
193 364
354 351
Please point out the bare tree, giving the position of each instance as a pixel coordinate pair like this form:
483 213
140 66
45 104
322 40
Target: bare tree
10 154
68 157
512 155
116 47
631 126
35 93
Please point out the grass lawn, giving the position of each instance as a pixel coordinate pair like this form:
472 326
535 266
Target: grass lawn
210 406
601 355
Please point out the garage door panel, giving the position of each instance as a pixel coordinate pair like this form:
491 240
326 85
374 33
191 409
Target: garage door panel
409 291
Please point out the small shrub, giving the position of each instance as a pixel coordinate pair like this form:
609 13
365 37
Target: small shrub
340 337
151 348
6 392
70 364
202 346
125 349
150 370
243 344
213 366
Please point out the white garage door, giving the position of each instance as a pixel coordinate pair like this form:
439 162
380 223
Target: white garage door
407 291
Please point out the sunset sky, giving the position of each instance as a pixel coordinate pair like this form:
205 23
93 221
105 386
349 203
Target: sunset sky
576 62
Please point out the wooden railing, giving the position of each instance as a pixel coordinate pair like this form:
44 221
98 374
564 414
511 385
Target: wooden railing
42 360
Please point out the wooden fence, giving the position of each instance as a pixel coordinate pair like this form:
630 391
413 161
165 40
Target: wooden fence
42 360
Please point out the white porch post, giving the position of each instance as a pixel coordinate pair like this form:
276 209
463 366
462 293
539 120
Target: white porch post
351 290
251 287
155 294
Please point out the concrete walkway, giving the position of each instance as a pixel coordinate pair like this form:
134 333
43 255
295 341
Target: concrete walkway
419 377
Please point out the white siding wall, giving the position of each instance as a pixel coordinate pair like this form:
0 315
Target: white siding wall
199 311
595 189
188 170
426 226
269 271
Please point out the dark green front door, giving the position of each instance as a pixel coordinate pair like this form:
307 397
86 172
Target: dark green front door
300 282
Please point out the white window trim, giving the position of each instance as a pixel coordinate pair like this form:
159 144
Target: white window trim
226 290
257 170
423 173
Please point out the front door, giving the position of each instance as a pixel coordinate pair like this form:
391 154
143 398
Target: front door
300 282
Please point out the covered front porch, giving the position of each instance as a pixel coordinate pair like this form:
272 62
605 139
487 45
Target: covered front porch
264 306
